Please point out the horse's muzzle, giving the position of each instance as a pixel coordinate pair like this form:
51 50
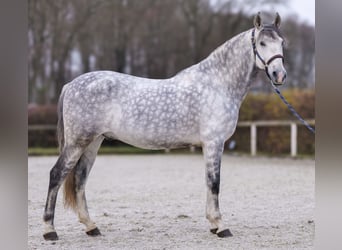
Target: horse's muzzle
278 77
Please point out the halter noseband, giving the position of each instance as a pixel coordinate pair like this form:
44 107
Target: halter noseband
256 54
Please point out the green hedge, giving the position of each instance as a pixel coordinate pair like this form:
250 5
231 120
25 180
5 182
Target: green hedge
276 140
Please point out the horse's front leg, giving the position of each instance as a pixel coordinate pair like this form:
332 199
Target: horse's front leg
212 153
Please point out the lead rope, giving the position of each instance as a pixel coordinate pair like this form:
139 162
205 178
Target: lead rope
293 110
256 54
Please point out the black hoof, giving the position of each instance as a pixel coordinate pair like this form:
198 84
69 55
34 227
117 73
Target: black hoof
224 234
51 236
94 232
213 230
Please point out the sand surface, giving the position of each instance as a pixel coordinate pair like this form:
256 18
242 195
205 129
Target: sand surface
158 202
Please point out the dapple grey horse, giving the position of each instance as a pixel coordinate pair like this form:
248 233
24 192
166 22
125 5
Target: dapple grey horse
198 106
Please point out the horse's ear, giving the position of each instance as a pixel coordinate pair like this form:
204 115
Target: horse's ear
257 21
277 20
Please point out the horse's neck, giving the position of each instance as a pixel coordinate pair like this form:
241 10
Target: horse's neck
230 66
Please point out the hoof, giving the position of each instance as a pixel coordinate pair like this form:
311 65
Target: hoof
94 232
213 230
51 236
224 234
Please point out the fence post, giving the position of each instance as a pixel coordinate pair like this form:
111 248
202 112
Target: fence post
253 139
293 139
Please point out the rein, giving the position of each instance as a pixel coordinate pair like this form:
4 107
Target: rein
294 112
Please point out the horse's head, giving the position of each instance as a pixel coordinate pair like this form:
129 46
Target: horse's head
268 49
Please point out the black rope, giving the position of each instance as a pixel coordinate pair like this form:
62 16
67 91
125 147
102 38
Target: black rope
293 110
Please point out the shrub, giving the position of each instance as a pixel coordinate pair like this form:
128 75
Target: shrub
261 106
42 114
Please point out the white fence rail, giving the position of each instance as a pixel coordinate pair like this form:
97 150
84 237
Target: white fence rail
253 131
273 123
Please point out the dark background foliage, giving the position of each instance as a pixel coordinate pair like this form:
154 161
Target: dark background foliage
149 38
157 39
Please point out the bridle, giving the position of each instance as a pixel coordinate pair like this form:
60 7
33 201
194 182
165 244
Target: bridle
256 54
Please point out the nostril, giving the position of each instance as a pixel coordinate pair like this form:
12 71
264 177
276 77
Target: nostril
274 73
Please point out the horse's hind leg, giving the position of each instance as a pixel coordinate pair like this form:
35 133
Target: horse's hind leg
212 154
81 173
66 161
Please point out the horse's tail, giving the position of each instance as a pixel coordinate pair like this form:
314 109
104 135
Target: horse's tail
60 122
69 183
70 190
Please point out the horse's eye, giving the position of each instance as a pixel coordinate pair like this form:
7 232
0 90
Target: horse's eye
262 44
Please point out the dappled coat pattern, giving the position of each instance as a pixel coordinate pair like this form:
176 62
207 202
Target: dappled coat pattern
198 106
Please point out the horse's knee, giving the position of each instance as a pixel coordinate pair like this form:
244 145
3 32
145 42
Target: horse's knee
213 181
